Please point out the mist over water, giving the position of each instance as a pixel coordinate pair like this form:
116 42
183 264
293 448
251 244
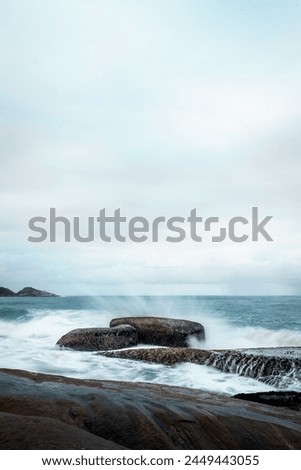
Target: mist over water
30 328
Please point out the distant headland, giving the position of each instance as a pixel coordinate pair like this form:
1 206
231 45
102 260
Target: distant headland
26 292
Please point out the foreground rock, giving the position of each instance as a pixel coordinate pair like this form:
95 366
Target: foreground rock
97 339
163 331
87 413
36 432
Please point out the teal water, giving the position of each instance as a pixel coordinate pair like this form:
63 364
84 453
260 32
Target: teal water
275 312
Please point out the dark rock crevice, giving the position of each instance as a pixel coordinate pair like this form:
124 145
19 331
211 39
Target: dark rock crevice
287 399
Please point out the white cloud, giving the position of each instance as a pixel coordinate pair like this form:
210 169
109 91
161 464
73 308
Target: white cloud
157 108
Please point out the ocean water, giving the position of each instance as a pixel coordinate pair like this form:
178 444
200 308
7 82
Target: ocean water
30 328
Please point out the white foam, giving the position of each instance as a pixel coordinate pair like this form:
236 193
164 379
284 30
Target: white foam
30 344
222 335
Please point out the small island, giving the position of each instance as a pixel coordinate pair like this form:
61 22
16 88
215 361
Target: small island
25 292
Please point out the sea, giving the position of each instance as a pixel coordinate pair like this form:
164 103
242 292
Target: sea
30 328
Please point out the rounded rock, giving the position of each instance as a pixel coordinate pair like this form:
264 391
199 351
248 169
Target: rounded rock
163 331
100 339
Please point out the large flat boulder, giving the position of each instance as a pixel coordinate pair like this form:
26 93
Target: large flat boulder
136 416
163 331
99 339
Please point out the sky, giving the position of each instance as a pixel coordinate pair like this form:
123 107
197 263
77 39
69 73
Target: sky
155 107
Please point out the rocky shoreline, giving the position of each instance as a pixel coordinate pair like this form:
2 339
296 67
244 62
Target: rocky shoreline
39 411
122 339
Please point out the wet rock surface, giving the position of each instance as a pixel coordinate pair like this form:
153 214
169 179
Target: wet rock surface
277 370
163 331
167 356
134 416
97 339
280 370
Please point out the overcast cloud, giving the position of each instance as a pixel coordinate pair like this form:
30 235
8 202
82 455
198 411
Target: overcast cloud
154 107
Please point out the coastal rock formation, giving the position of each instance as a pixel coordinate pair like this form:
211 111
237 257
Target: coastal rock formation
278 370
134 416
279 367
26 292
163 331
99 339
166 356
